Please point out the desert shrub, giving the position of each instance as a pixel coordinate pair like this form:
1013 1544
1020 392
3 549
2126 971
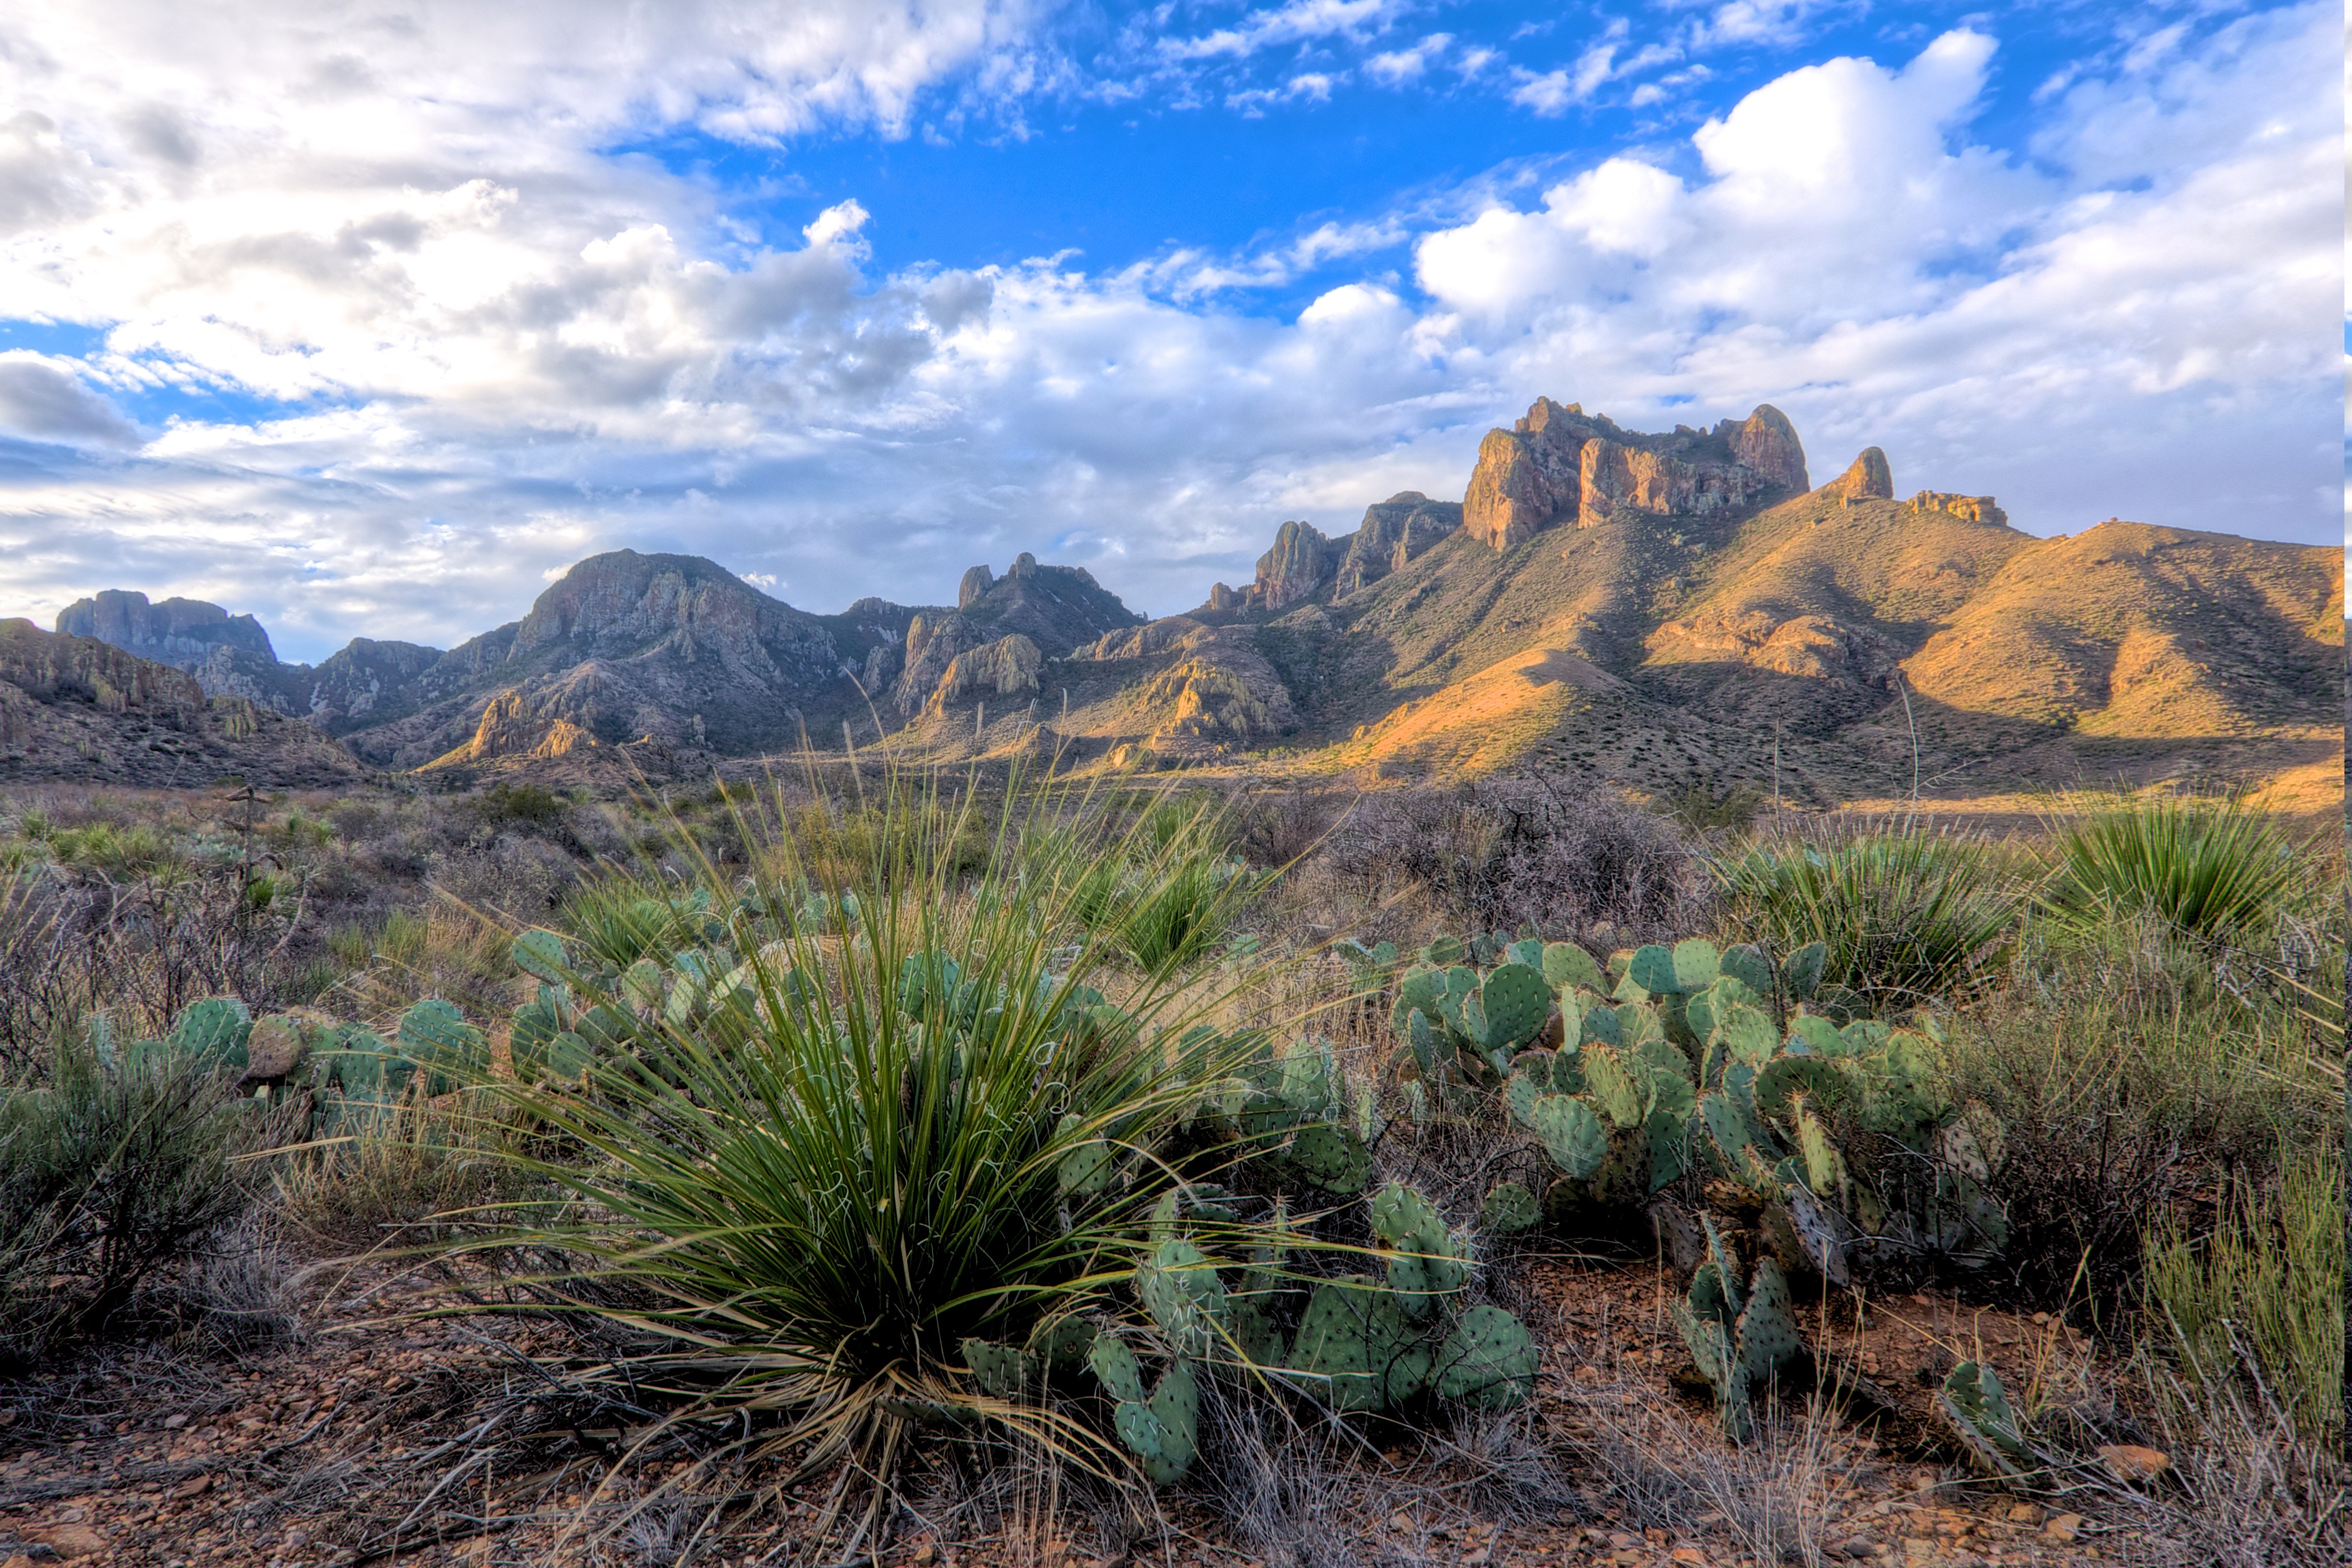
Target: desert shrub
2129 1082
112 1177
2261 1295
1500 854
527 804
141 948
2212 869
1906 915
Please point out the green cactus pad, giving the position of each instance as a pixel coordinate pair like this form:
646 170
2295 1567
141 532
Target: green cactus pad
1710 1346
1516 1003
435 1035
1598 1021
1572 1134
1824 1166
1782 1076
1488 1361
1359 1336
1652 968
1801 972
1817 1034
1613 1086
1429 1261
1086 1170
214 1030
1181 1290
1746 1032
1306 1078
1444 952
1567 967
1767 1335
1163 1434
540 954
1114 1365
1637 1022
1746 962
1062 1342
1332 1158
1696 963
1975 1407
1509 1209
1665 1128
1001 1371
1529 1082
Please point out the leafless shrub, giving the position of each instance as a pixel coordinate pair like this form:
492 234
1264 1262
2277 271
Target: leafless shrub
1588 864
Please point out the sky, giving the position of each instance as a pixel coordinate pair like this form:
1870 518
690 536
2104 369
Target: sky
370 317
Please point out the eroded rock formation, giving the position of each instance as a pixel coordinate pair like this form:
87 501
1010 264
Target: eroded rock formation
1560 465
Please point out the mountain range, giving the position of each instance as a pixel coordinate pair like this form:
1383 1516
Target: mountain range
1668 611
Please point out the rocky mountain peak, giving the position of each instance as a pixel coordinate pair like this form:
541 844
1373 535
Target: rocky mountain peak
182 633
1561 464
1868 479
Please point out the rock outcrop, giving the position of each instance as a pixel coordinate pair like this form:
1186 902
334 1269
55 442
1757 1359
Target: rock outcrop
76 709
1393 533
1560 465
1868 479
1057 609
1975 508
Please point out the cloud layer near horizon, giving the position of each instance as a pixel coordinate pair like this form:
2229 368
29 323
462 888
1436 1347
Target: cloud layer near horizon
469 346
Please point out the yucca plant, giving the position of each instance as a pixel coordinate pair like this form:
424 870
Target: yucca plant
2215 870
800 1191
1906 914
1164 894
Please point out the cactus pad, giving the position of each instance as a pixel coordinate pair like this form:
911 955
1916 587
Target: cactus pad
1488 1361
1767 1335
1515 1001
540 954
1567 967
1333 1158
214 1030
1357 1335
1613 1086
1696 963
1801 972
1001 1371
1114 1365
1163 1434
1509 1209
1746 962
1975 1407
1572 1134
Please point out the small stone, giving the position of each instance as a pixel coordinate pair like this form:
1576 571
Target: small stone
2131 1462
173 1423
2065 1527
926 1554
1401 1521
1855 1549
1690 1555
72 1540
194 1486
1918 1549
2025 1513
1624 1542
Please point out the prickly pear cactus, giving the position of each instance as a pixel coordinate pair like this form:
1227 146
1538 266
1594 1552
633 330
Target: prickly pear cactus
1001 1371
1332 1157
1488 1361
1161 1431
1428 1262
1360 1341
1974 1407
435 1035
1509 1209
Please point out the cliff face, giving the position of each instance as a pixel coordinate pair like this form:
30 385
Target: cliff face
74 707
1050 610
1560 466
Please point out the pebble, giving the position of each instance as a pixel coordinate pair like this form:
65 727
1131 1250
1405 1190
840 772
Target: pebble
2065 1527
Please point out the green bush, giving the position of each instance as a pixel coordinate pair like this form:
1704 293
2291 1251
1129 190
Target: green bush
111 1177
2263 1294
1906 916
2216 871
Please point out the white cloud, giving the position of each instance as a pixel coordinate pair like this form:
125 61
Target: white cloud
1399 67
1299 21
521 351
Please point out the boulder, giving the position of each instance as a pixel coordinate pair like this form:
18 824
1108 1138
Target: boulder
1869 478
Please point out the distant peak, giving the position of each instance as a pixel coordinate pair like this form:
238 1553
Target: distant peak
1870 478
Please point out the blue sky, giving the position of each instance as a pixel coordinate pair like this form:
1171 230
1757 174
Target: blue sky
372 319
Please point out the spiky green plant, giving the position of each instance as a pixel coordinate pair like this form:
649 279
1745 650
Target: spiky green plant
2214 870
845 1151
1905 915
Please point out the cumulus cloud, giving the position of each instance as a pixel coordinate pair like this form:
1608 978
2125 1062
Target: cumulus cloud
474 347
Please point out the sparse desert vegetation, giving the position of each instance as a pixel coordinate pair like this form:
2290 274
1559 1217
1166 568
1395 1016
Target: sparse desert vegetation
922 1168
